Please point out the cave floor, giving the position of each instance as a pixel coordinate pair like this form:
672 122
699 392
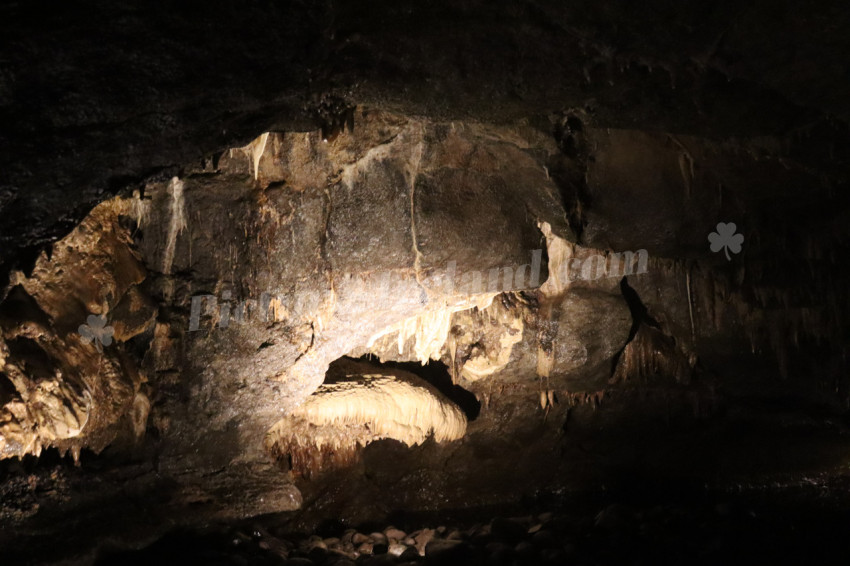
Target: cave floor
800 525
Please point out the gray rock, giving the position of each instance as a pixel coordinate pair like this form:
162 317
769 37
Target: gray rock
422 539
395 534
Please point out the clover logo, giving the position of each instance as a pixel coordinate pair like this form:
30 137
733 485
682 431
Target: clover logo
726 239
97 331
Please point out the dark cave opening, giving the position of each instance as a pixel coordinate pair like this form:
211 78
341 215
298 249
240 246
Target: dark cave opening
37 363
640 315
7 389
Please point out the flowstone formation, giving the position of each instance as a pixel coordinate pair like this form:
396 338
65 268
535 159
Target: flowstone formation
355 409
61 389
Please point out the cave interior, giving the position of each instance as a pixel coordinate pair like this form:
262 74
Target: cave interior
396 282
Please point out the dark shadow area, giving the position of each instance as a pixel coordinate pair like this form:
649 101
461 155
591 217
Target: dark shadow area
37 363
18 305
7 389
640 315
600 528
50 458
184 547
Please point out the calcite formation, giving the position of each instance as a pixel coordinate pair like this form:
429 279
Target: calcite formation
68 391
360 408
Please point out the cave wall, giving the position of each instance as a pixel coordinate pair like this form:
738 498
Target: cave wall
241 196
231 289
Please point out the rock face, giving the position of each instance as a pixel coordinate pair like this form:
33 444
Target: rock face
66 390
508 211
274 272
217 301
228 292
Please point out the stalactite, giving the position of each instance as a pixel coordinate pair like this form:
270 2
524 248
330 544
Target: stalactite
652 354
254 153
594 398
545 360
176 225
139 209
559 251
690 304
429 330
339 417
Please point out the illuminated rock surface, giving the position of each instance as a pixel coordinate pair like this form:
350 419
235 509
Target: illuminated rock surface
518 218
